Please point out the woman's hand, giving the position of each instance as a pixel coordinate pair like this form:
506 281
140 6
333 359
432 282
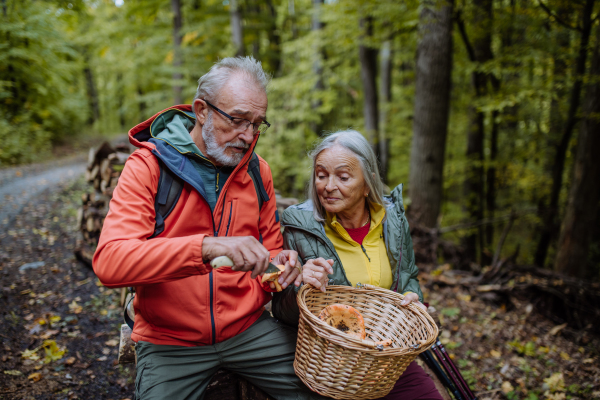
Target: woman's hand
412 298
315 272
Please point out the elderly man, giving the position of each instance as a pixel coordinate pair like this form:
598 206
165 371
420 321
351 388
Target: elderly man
192 319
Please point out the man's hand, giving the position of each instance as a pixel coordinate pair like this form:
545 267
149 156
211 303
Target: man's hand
247 253
289 258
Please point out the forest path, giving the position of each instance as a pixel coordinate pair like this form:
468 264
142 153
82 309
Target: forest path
20 185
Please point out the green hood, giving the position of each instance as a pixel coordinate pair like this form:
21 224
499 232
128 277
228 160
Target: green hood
174 127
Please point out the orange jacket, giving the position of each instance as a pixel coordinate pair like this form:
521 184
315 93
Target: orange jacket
180 300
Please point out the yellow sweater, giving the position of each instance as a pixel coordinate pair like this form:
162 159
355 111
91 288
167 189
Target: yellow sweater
371 265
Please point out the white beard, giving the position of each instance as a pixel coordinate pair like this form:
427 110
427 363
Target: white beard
215 151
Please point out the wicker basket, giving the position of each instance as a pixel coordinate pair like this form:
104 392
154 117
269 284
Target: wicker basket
339 366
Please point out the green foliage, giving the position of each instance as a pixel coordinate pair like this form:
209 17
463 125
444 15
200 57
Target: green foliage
40 88
527 349
66 66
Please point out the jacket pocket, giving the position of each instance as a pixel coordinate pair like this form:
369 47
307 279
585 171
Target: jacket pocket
178 308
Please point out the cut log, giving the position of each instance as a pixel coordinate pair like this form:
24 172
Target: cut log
127 353
94 172
105 169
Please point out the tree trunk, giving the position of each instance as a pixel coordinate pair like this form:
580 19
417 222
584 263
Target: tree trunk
237 32
177 61
490 194
120 100
141 103
432 107
551 214
474 182
584 194
274 50
317 27
367 56
385 91
292 12
473 186
92 93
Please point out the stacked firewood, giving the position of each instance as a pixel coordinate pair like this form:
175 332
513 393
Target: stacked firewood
105 165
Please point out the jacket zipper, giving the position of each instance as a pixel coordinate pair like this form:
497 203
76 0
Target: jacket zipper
210 274
365 251
229 221
212 313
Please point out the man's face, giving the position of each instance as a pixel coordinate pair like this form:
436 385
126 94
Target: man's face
226 145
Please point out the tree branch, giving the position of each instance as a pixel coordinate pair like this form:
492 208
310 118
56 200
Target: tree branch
463 34
556 17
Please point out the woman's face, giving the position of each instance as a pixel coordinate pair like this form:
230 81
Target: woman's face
339 180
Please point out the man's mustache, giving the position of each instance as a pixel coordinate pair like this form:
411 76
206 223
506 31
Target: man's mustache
241 144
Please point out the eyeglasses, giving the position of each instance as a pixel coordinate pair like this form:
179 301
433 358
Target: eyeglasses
242 123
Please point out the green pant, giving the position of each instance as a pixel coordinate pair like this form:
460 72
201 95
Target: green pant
263 355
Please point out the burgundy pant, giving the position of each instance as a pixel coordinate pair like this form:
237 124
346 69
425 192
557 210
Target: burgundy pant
413 384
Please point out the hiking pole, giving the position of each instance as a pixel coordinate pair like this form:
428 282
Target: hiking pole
437 369
456 371
449 371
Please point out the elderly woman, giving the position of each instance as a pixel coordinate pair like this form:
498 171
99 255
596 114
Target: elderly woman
348 233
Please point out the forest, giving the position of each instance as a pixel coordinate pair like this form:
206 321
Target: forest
487 110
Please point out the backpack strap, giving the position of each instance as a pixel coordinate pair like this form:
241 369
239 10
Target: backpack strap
259 186
168 192
170 187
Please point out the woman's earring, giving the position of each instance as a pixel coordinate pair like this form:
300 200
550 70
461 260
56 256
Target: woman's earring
367 195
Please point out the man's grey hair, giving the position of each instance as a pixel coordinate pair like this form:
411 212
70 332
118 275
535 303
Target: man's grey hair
211 83
360 147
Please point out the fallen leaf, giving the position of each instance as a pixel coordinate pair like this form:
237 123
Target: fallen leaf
555 396
112 342
30 354
103 358
35 330
106 351
554 331
28 317
36 376
507 387
555 382
13 372
75 308
70 361
565 356
83 282
49 333
53 352
495 354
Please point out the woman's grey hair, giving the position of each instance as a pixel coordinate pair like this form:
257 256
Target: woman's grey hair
211 83
360 147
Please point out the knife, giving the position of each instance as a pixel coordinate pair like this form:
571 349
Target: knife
224 261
